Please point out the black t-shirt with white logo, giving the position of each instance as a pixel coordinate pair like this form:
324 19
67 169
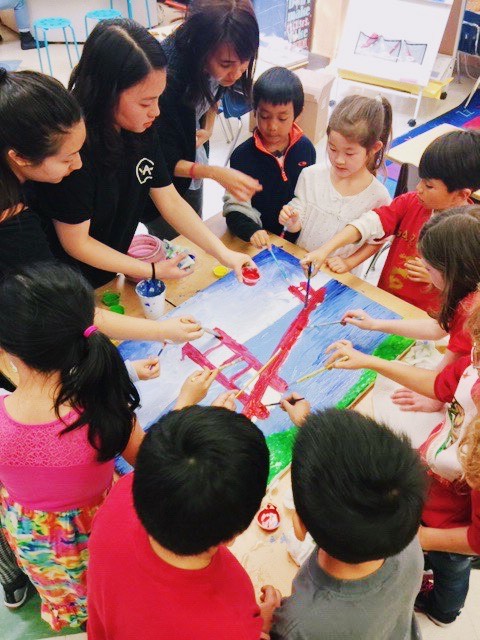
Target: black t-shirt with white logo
112 201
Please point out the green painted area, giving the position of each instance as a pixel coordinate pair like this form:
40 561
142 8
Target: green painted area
281 444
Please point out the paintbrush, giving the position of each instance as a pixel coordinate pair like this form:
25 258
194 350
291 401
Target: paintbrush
229 364
276 404
308 283
326 324
284 231
159 353
281 269
240 391
212 333
319 371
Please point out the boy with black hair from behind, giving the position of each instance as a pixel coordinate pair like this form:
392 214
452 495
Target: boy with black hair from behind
358 490
159 563
275 155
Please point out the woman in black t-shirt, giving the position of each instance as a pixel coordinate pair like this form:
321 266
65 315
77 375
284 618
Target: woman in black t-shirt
95 211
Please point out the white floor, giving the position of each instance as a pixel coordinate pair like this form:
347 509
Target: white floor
467 627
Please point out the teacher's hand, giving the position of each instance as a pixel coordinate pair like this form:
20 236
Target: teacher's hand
168 269
241 186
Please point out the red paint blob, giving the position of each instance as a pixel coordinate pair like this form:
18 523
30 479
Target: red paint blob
250 276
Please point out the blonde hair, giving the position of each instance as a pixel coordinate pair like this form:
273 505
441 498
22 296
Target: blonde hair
364 121
469 446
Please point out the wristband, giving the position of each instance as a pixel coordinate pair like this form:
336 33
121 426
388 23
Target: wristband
152 264
192 170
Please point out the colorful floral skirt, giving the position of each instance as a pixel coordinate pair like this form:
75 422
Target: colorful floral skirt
51 548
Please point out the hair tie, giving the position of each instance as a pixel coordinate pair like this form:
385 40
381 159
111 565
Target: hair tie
89 330
152 264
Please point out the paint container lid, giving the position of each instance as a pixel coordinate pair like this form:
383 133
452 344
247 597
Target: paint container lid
220 271
268 518
117 308
110 297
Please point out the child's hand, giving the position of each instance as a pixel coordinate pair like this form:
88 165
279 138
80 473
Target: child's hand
360 318
270 600
298 411
182 329
226 400
290 219
344 349
260 240
195 387
416 271
316 259
338 265
409 400
147 368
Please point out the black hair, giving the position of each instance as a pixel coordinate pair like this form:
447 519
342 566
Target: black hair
453 158
35 112
358 487
45 310
279 85
450 243
117 55
364 121
200 476
210 23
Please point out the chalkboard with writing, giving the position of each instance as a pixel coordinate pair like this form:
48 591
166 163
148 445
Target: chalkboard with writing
290 19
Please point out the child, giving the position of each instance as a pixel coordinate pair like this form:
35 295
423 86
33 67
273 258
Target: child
275 155
449 245
70 415
328 197
358 490
451 517
173 576
449 171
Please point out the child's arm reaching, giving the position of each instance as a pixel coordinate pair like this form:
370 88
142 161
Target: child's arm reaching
419 380
447 540
343 265
421 329
136 438
292 213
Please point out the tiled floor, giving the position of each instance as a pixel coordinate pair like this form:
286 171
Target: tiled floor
25 623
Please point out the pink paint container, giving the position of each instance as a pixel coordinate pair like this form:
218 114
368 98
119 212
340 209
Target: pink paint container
250 276
146 248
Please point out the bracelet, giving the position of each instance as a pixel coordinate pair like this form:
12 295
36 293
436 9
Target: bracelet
264 636
192 170
152 264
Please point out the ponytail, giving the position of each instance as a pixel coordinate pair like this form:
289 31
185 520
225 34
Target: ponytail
45 311
365 121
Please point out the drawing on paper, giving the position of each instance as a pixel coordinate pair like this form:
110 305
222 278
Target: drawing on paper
256 323
377 46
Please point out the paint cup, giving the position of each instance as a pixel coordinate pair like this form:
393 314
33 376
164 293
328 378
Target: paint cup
250 276
146 248
152 298
268 518
220 271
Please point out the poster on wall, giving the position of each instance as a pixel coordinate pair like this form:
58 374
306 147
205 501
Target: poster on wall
291 20
390 39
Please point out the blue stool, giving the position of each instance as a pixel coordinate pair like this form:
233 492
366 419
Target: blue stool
46 24
130 11
99 15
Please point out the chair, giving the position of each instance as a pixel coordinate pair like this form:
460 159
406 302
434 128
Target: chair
233 105
46 24
99 15
130 10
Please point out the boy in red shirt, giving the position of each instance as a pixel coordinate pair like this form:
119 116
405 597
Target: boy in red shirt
449 172
159 567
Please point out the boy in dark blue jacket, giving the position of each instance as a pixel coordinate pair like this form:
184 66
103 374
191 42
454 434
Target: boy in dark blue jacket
274 155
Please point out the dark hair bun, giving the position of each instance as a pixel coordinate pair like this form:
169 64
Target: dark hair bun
3 74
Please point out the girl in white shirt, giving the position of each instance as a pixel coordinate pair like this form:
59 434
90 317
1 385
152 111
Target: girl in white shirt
328 198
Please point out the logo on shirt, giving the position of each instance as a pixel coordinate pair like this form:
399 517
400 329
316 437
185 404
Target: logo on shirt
302 163
144 170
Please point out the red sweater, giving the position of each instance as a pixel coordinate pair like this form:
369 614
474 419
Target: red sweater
132 593
455 504
403 218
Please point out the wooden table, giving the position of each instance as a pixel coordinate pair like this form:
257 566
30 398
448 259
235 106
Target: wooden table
264 555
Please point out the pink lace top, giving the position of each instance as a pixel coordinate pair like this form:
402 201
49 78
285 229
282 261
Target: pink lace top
46 471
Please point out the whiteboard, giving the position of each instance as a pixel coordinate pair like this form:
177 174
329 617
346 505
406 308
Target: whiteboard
397 40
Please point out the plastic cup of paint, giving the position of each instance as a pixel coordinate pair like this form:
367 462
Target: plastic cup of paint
268 518
151 294
250 276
